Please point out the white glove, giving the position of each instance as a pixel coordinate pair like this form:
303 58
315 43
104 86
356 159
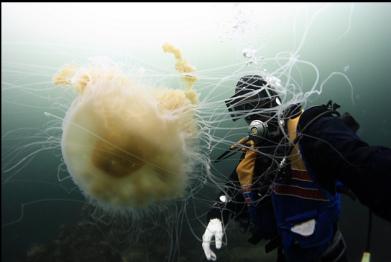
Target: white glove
214 229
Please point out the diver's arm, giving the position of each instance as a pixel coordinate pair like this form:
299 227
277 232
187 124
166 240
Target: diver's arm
225 206
333 151
229 202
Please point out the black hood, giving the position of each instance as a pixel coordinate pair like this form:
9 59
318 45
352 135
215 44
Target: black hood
252 93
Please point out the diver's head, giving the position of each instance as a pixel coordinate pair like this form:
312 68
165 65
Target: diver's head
254 99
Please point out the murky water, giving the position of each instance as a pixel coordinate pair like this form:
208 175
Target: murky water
341 51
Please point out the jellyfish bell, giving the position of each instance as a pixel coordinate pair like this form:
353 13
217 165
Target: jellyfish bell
126 145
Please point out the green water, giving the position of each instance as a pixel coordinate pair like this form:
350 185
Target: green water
37 39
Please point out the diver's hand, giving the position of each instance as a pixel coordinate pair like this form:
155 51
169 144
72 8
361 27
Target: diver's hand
214 229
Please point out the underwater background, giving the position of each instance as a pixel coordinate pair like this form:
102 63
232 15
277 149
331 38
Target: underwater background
46 218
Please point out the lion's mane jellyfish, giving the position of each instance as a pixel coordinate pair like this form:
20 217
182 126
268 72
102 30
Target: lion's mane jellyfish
128 145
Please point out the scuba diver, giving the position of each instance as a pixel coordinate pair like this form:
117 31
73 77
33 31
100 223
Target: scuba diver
286 187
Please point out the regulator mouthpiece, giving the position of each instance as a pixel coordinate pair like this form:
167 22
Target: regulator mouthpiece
258 129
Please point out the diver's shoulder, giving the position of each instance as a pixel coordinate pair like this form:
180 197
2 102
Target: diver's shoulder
311 114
